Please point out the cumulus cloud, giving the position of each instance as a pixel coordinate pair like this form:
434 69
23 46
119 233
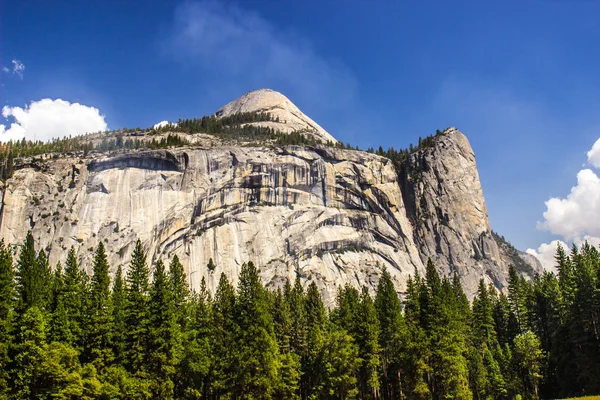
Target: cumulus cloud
47 119
578 214
594 155
162 124
17 68
574 217
248 52
546 252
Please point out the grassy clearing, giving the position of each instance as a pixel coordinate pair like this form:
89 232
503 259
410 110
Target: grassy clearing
584 398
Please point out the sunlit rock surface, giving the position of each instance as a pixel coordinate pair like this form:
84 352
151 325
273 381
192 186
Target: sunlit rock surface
329 215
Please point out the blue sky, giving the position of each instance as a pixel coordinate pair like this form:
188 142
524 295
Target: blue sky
520 79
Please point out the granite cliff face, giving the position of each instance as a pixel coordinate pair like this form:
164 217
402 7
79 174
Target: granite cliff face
330 215
444 201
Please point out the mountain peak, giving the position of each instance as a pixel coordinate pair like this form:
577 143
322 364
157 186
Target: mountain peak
279 107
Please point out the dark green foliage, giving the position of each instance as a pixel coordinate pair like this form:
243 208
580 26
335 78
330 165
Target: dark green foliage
33 275
70 336
164 336
75 291
7 304
29 347
192 378
258 358
98 343
340 366
119 301
137 310
312 362
367 339
393 337
223 338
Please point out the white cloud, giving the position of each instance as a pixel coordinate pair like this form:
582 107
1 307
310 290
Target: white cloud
245 51
162 124
594 154
575 217
578 214
546 252
47 119
17 68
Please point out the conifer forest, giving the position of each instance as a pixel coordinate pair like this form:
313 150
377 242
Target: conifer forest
67 334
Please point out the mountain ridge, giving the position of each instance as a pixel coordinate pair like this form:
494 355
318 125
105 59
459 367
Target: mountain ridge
327 214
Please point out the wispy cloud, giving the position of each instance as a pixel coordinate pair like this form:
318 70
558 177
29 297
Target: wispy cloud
245 52
16 69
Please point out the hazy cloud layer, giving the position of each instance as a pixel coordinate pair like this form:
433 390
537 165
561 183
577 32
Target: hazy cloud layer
248 52
47 119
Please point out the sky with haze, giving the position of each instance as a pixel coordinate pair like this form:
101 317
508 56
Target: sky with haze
520 78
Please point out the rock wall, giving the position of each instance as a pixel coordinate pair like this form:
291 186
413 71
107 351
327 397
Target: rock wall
445 203
330 215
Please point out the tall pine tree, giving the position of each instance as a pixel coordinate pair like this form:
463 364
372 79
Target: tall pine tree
137 314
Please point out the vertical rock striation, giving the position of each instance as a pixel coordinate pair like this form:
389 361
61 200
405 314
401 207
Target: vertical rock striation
329 215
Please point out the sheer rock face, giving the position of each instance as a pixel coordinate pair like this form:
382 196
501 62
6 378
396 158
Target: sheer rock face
444 201
279 107
332 216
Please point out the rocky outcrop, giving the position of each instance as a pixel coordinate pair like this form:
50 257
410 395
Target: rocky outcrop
445 203
287 117
329 215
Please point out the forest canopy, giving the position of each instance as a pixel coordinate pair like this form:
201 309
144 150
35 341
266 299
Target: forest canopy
146 334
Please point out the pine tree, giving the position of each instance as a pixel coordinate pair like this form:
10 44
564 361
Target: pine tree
137 310
223 339
289 360
282 321
32 277
74 280
584 318
444 325
487 380
119 309
517 300
392 337
193 375
180 289
29 353
367 340
566 274
7 304
164 335
43 274
340 366
311 381
345 314
99 341
527 358
258 362
416 356
295 298
60 329
484 330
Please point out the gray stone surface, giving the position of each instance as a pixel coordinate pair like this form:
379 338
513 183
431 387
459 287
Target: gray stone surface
332 216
